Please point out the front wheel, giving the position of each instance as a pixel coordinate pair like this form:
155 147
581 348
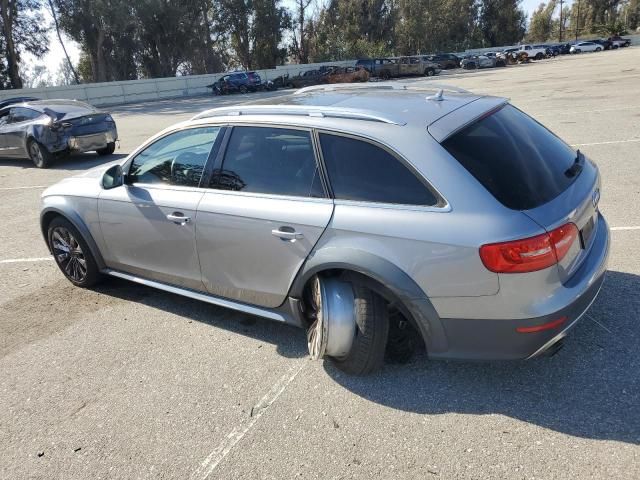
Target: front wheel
108 150
539 56
72 254
429 72
38 154
365 320
598 49
243 89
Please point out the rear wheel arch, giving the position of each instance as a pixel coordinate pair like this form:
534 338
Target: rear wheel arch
48 215
384 278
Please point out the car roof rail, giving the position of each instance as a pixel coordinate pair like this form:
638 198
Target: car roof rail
301 110
380 86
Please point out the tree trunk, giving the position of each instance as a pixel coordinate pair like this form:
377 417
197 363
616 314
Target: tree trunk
100 75
11 54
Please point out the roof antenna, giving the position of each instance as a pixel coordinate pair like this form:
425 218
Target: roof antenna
438 97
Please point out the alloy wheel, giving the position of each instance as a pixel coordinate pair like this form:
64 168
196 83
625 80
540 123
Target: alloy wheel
68 254
36 153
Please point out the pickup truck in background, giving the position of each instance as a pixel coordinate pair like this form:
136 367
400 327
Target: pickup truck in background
536 52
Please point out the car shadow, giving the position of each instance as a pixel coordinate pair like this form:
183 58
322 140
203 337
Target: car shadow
79 161
290 341
590 389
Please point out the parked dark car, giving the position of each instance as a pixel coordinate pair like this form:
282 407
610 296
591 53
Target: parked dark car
445 60
14 100
47 129
237 82
565 48
384 68
618 41
552 50
606 44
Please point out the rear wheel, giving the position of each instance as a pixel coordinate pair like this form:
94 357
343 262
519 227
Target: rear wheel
72 254
385 75
429 72
108 150
367 310
598 49
243 89
539 56
38 154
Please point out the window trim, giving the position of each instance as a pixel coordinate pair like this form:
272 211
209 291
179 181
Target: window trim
126 166
219 162
442 204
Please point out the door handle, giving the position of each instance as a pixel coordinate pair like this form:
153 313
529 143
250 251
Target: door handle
287 233
178 218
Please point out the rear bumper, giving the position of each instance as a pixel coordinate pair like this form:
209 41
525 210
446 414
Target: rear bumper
490 339
94 141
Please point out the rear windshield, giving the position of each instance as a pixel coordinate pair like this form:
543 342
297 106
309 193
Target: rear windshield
514 157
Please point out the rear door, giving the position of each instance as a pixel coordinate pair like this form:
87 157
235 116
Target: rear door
14 132
265 209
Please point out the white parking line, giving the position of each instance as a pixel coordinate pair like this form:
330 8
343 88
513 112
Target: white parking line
615 229
631 140
27 260
210 463
23 188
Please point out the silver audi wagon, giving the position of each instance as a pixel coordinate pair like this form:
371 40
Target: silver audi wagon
377 217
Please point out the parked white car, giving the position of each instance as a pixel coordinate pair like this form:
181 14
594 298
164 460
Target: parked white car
585 47
537 52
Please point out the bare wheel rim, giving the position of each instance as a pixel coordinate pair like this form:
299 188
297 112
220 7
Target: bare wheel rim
68 254
316 333
36 153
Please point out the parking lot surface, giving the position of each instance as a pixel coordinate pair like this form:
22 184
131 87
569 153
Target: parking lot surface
129 382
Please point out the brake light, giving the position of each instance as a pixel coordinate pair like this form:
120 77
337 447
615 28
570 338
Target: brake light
529 254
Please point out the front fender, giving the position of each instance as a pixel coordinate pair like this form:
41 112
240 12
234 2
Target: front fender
60 206
396 286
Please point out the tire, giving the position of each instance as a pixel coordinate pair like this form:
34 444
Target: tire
598 49
366 351
385 75
614 46
372 331
429 72
539 56
38 154
108 150
243 89
72 254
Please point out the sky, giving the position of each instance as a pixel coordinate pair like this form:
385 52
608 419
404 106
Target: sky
53 59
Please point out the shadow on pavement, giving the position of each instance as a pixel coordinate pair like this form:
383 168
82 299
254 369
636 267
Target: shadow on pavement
290 341
590 389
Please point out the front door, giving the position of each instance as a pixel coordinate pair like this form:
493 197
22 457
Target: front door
14 131
264 213
148 224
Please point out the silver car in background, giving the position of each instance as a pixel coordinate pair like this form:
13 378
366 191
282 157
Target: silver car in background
374 216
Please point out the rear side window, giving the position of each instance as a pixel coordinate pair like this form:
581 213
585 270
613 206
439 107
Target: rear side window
359 170
270 160
514 157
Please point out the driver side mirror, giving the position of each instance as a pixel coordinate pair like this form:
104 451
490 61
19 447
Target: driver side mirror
113 177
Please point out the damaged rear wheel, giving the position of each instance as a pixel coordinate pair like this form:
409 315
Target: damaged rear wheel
348 323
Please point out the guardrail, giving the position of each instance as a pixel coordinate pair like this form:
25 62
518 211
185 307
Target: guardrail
131 91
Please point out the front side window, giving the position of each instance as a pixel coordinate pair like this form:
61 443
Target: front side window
270 160
177 159
359 170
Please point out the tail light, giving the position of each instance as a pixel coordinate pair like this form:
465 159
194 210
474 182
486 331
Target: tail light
529 254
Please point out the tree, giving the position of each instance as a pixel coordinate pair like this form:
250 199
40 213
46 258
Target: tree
502 22
269 21
302 30
541 25
22 30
